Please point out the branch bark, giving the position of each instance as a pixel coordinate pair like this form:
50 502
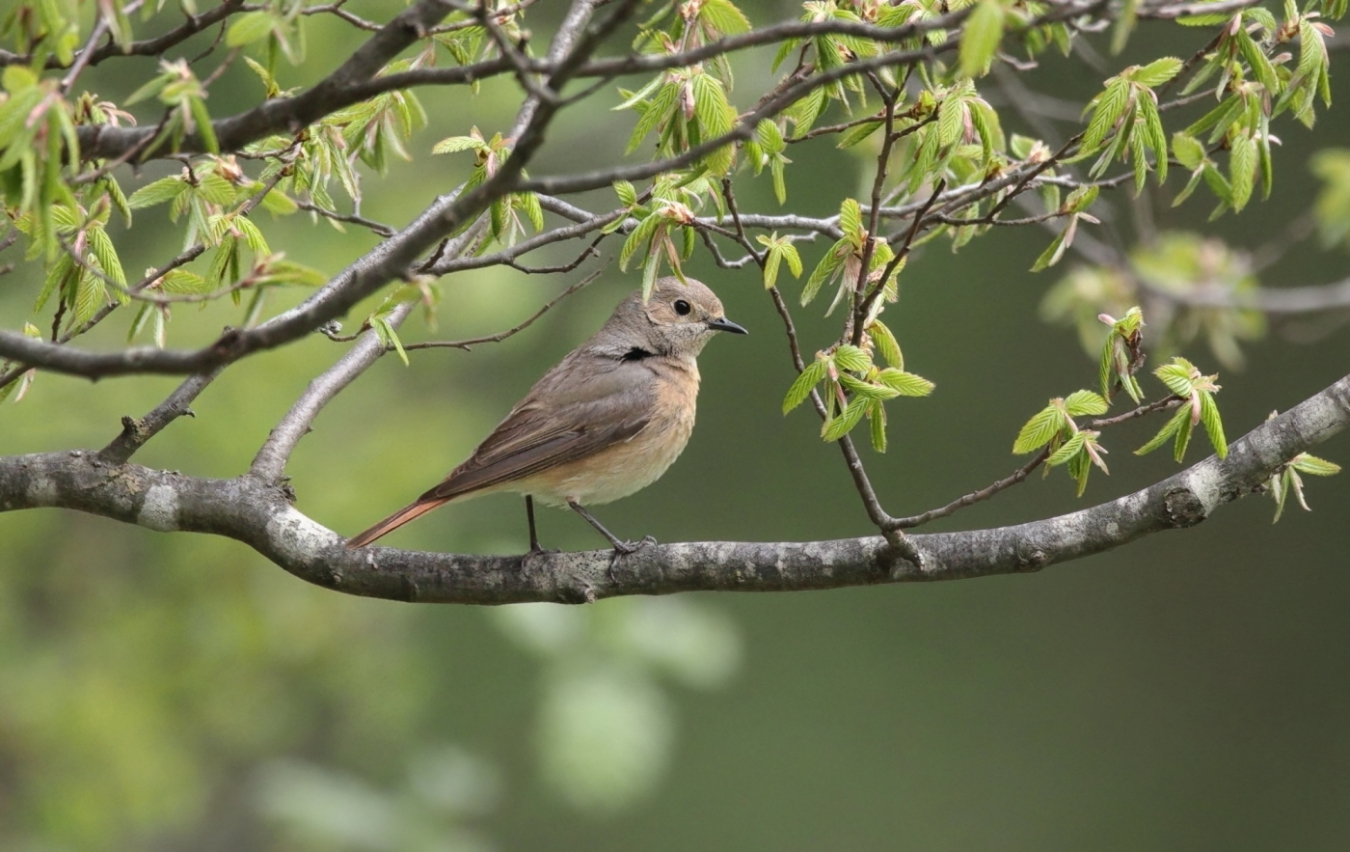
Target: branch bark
251 510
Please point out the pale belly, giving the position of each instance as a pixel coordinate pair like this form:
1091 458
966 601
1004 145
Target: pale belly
615 472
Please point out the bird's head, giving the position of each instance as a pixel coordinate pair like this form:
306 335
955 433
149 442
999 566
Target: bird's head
678 319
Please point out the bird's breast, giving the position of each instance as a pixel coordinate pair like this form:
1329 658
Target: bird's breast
631 465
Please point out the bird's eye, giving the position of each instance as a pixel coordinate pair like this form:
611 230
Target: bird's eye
682 307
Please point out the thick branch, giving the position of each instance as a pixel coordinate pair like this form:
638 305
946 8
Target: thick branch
248 510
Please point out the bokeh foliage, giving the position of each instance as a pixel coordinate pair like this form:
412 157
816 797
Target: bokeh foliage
165 691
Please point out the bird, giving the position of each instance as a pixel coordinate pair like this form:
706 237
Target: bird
606 421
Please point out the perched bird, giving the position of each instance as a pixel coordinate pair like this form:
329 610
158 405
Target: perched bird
605 422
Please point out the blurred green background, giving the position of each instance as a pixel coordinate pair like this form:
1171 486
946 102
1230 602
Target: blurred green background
171 692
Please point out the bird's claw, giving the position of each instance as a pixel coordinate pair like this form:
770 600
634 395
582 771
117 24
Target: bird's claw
624 548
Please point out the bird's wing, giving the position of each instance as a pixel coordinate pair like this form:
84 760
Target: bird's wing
562 419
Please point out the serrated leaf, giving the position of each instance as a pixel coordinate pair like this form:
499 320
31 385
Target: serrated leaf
980 37
1188 150
1157 72
1177 376
108 261
850 221
642 232
840 426
1040 430
805 381
870 390
202 121
849 357
905 384
250 27
877 417
887 346
1181 418
1070 448
724 17
455 144
772 258
1209 416
1085 403
854 135
1052 253
832 260
627 194
157 192
90 295
1242 171
529 202
251 235
769 137
1107 108
1310 464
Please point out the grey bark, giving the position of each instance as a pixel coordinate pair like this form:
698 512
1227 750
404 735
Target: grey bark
259 514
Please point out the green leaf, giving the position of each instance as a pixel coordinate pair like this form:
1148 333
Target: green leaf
202 120
876 415
1183 439
849 357
1178 376
850 221
887 346
1080 199
1040 430
832 260
1071 448
1188 150
1107 108
792 258
529 202
724 17
1305 463
158 192
455 144
1085 403
1052 253
90 295
870 390
833 430
1209 416
1242 170
1181 418
854 135
250 27
805 381
627 194
1157 72
642 232
905 384
980 38
770 138
108 261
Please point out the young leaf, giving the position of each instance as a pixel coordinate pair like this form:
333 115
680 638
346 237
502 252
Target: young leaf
805 381
1085 403
1040 430
980 37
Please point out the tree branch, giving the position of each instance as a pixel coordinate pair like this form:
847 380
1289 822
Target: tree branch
251 511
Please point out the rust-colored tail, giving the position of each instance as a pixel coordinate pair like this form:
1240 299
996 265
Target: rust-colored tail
393 522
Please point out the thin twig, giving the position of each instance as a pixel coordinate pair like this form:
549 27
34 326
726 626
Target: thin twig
510 332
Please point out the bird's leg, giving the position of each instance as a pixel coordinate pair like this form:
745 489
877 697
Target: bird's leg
535 549
529 516
620 546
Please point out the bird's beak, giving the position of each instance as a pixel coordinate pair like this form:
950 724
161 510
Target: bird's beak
724 324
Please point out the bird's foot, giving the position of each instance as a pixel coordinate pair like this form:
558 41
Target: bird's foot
624 548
